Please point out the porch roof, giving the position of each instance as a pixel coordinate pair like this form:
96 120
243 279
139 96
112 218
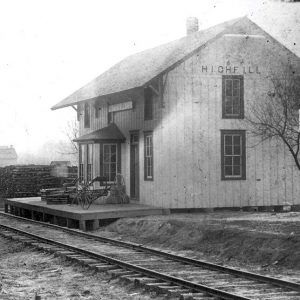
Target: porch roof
109 133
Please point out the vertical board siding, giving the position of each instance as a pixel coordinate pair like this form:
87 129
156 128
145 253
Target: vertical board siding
194 100
187 137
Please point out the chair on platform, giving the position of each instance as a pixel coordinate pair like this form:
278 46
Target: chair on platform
86 194
118 191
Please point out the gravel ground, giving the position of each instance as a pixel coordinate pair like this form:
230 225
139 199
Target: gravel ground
25 272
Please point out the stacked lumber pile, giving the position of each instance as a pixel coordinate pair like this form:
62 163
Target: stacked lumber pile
28 180
59 197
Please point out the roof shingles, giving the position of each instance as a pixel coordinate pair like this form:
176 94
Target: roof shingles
138 69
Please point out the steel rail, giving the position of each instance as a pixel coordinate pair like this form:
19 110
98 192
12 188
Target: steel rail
194 287
179 258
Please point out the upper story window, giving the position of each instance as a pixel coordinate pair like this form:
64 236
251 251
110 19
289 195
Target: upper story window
232 96
233 154
148 104
87 115
110 117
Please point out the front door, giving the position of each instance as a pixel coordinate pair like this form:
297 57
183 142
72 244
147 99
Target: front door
134 166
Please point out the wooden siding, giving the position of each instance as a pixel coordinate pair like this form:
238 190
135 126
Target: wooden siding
190 172
186 133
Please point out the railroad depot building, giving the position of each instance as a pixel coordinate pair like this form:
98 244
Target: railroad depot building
171 120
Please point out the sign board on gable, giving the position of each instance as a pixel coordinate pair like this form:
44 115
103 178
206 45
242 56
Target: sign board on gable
120 106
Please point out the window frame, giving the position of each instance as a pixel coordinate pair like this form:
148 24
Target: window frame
148 104
87 115
89 162
81 162
241 90
146 157
103 162
242 134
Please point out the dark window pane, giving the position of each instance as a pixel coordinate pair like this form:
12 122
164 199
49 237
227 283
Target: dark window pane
236 140
235 101
236 160
236 83
106 169
106 149
113 158
236 110
228 87
228 171
236 150
228 140
86 115
236 170
228 109
236 87
113 149
112 176
228 150
228 161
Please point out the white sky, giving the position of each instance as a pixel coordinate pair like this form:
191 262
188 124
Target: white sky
50 48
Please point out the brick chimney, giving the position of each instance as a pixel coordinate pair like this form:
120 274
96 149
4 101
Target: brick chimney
191 25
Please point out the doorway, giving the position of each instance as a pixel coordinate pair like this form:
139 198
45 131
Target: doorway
134 166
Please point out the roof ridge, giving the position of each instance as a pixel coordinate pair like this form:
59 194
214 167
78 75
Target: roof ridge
139 68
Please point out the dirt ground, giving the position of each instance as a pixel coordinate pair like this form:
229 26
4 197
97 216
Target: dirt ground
24 272
266 243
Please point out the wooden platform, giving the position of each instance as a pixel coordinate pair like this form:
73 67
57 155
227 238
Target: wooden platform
74 216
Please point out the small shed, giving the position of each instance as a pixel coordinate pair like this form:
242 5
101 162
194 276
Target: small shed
59 168
8 156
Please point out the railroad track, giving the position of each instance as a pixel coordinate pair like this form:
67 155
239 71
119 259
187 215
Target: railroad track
170 274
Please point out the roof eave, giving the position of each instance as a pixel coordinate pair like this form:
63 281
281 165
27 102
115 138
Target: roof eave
57 106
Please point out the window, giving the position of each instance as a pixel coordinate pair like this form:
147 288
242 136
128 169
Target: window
148 159
233 96
89 153
148 106
233 154
110 161
87 119
81 162
97 108
110 117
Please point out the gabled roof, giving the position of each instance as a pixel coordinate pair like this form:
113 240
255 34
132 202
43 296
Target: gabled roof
111 132
138 69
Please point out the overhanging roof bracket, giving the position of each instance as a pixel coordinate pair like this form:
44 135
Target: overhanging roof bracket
154 89
74 108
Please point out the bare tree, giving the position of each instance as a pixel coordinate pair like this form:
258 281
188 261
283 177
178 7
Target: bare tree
70 148
277 117
72 132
